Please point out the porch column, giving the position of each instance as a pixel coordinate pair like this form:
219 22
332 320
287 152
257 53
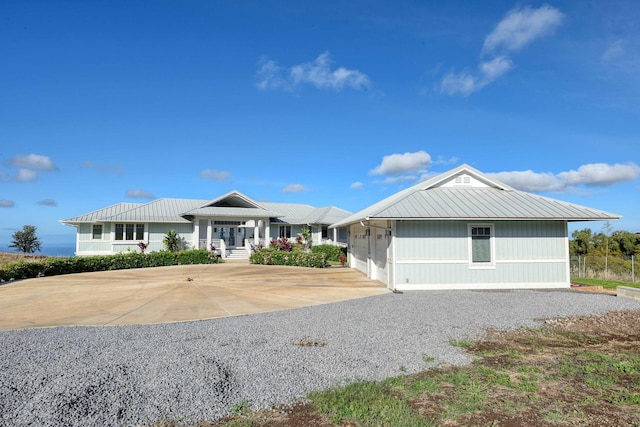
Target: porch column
209 230
196 233
256 232
267 233
335 236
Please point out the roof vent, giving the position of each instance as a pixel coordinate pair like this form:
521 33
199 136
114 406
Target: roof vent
463 180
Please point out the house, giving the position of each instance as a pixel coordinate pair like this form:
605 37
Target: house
465 230
231 223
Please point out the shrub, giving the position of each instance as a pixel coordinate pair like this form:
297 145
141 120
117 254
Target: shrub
331 252
58 266
270 256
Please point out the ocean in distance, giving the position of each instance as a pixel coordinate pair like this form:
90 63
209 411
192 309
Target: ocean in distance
49 249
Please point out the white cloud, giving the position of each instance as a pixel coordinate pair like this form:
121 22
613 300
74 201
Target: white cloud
4 203
517 29
33 161
317 73
26 175
522 26
529 180
140 194
465 84
270 75
48 202
215 175
401 178
396 164
294 188
356 185
601 174
590 175
614 51
109 169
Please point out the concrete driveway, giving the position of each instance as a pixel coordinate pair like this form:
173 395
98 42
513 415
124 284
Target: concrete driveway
174 294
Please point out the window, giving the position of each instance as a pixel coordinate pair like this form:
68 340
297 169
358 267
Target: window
284 231
96 233
129 231
481 244
325 232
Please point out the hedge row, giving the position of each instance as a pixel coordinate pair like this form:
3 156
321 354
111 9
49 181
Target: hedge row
58 266
331 252
269 256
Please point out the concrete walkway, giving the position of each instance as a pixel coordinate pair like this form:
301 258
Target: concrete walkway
174 294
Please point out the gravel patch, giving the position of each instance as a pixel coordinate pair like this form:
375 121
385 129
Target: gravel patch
134 375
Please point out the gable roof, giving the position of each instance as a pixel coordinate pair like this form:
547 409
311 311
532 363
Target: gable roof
232 204
475 197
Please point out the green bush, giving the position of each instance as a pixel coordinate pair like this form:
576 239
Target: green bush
331 252
58 266
270 256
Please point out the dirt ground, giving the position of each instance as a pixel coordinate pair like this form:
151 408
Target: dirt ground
546 348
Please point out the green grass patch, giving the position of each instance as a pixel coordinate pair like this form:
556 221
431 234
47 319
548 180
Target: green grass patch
369 403
606 284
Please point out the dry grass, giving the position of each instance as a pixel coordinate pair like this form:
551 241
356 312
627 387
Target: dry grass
9 257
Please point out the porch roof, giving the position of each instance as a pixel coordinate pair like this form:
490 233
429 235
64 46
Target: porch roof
247 213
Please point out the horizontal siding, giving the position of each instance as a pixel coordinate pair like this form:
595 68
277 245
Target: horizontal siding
94 246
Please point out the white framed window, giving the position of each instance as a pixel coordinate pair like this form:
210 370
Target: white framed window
284 231
481 245
129 232
96 232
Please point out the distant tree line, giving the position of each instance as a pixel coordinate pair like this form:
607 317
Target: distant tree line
605 243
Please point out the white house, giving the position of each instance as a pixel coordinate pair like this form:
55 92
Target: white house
231 223
465 230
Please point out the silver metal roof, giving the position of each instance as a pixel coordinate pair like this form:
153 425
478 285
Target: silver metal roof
232 204
101 213
432 199
161 210
232 212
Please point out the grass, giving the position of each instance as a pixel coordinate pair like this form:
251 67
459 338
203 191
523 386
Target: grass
606 284
573 373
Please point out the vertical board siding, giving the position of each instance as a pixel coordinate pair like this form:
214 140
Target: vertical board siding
431 240
525 252
358 247
439 274
530 240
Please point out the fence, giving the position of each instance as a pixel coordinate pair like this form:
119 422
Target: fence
605 267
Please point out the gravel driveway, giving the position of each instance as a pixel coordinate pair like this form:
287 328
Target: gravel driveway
132 375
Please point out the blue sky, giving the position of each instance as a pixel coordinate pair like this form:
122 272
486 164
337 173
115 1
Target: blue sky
328 103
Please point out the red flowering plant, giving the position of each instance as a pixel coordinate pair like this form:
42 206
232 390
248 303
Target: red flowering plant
143 246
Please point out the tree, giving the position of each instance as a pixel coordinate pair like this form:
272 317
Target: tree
171 241
26 240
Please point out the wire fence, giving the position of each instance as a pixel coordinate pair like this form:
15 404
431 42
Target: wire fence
622 269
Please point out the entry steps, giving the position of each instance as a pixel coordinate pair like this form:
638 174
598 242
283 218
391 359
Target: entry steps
238 253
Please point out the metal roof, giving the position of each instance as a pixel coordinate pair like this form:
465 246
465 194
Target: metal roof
161 210
327 215
232 212
292 213
232 204
433 199
101 213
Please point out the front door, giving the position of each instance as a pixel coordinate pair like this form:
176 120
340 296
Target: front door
232 236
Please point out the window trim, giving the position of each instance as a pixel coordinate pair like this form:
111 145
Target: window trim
93 233
492 246
134 226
